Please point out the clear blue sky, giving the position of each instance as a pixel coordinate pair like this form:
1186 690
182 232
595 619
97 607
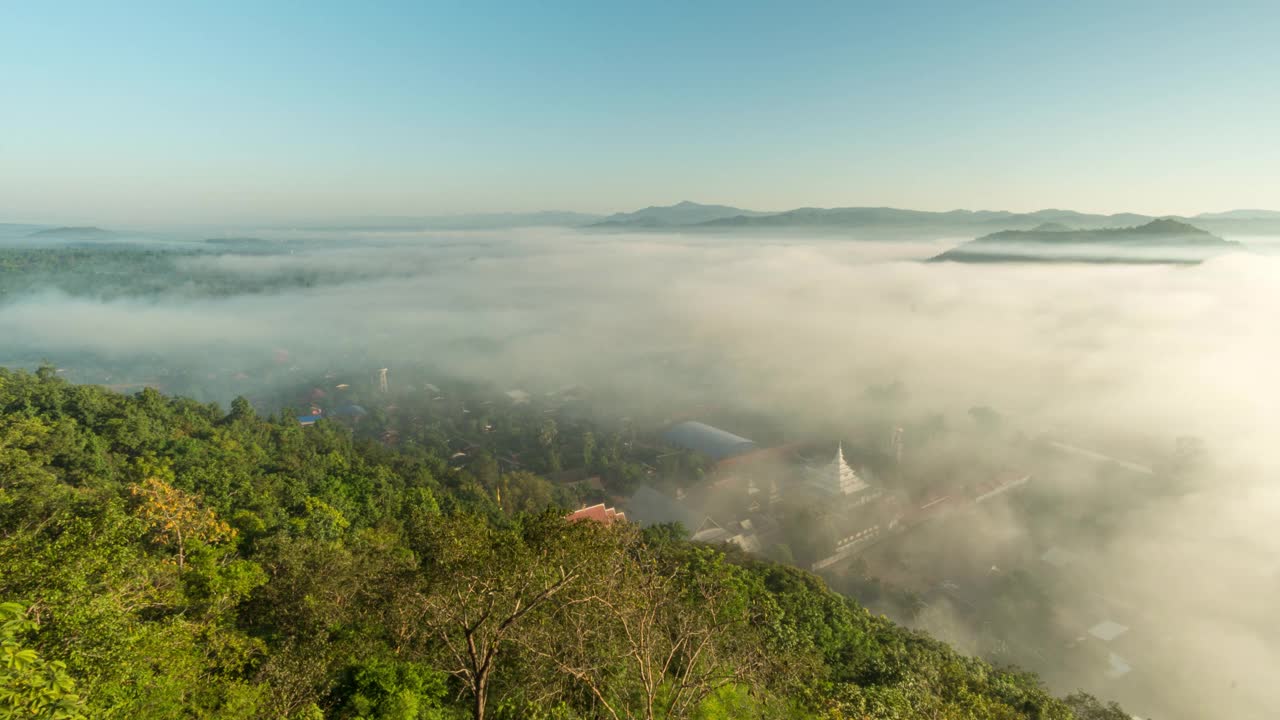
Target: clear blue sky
125 112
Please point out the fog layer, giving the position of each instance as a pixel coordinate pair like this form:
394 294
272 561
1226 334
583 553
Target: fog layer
1114 357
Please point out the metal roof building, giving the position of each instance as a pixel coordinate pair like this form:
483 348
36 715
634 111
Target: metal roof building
713 442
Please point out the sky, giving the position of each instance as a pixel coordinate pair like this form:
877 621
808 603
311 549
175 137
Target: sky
135 113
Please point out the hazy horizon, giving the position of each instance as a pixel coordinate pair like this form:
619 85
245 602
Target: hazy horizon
352 221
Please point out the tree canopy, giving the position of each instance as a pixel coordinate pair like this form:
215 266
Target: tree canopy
162 558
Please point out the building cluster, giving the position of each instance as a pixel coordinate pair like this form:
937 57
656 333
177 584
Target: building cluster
751 493
754 497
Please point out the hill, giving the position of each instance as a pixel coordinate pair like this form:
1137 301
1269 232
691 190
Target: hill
1051 227
897 222
77 234
871 221
183 561
1241 215
1163 240
682 214
474 221
864 221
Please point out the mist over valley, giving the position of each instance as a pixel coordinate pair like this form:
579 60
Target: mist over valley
1123 397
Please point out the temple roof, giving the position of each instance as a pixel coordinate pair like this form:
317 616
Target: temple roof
838 478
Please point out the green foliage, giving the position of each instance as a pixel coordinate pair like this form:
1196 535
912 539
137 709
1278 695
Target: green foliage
184 563
391 690
1088 707
30 686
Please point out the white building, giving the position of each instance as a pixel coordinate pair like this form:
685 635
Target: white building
837 478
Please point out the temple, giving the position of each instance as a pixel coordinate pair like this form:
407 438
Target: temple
837 478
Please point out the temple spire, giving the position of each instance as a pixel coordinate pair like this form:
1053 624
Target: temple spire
838 478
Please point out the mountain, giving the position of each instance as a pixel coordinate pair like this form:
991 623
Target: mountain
868 221
475 221
77 234
1241 222
887 222
853 217
1164 240
1052 227
1241 215
16 231
682 214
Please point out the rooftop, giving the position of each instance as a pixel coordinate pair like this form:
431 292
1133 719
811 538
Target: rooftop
837 478
598 513
711 441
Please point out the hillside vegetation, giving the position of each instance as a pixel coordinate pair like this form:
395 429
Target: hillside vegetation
163 558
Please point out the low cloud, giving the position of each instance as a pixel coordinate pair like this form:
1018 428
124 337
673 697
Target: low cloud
1122 356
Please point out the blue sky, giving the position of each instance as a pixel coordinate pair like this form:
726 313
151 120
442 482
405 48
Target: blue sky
248 111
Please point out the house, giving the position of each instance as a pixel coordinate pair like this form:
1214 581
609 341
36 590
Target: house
741 533
598 513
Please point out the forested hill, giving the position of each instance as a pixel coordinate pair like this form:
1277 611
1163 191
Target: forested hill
1164 241
162 558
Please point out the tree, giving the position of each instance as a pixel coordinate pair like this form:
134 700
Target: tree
241 409
548 433
390 690
176 518
653 634
30 686
1088 707
483 586
524 492
588 449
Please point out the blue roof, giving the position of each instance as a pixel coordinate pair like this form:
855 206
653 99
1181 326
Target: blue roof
713 442
308 419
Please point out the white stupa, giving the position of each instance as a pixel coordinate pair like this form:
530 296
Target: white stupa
838 478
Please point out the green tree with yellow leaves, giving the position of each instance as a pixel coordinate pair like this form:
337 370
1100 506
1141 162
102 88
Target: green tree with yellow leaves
177 518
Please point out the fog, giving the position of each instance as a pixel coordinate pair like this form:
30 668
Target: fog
1118 358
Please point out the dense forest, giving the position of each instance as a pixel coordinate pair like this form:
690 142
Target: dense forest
164 558
213 268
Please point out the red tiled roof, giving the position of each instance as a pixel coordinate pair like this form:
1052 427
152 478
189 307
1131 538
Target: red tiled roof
598 513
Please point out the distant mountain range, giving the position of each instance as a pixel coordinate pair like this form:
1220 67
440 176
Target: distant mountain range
78 234
872 222
679 215
860 223
1159 241
475 221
